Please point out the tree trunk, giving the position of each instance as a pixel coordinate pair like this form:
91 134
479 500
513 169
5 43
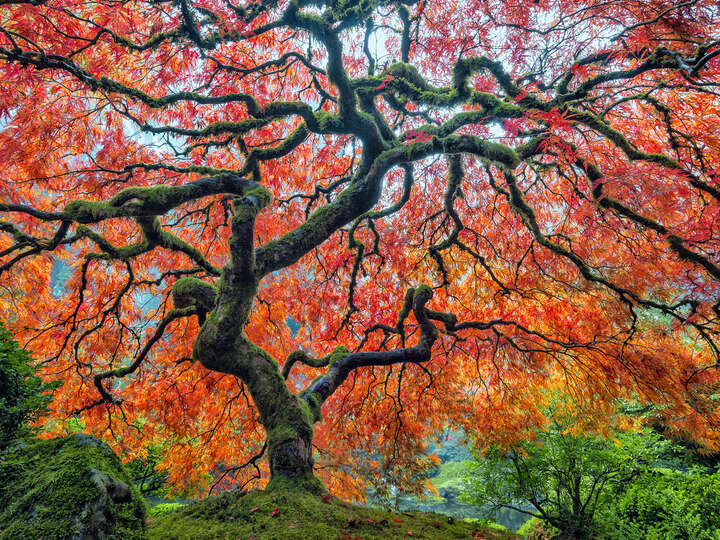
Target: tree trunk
222 346
290 455
288 419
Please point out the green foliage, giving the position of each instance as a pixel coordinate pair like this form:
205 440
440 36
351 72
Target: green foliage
449 476
292 515
24 396
146 476
537 529
163 508
70 487
561 478
665 505
447 479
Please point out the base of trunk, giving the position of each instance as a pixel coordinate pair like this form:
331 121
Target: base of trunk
308 483
291 460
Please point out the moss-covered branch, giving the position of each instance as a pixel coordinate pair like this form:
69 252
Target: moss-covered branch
154 201
324 386
303 358
364 192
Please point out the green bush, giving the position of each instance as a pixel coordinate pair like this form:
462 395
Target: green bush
537 529
163 508
666 505
146 475
23 395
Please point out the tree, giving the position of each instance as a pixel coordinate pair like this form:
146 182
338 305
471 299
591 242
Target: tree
561 478
279 209
24 396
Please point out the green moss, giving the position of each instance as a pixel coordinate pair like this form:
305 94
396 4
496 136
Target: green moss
68 487
189 290
314 405
302 515
338 354
301 486
341 10
88 211
155 200
327 122
263 196
189 285
248 207
281 435
423 291
291 422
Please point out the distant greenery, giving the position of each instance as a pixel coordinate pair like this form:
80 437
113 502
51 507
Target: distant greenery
146 476
455 455
634 485
561 478
24 396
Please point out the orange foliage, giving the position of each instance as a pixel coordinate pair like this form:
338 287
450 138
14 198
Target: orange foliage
608 288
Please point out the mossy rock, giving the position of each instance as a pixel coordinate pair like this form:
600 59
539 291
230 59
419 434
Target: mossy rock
287 514
68 488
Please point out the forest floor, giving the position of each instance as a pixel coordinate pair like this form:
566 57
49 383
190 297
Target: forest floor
262 515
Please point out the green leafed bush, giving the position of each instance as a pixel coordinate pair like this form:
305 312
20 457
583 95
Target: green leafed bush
24 396
537 529
666 505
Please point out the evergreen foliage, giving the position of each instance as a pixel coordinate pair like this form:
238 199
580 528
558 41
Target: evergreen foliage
24 396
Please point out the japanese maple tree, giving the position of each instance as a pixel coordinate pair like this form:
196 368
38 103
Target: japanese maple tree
325 230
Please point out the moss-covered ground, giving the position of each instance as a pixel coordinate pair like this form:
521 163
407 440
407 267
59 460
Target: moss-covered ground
268 515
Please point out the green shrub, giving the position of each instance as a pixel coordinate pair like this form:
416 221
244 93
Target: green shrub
146 475
23 395
163 508
537 529
666 505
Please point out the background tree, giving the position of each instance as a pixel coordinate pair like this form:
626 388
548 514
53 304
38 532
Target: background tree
24 396
284 208
562 478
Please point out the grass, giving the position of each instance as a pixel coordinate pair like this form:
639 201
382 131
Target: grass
289 515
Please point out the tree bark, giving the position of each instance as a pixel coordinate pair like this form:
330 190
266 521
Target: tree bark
221 346
288 420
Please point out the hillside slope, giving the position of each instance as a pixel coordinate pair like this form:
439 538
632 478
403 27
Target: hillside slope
289 515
